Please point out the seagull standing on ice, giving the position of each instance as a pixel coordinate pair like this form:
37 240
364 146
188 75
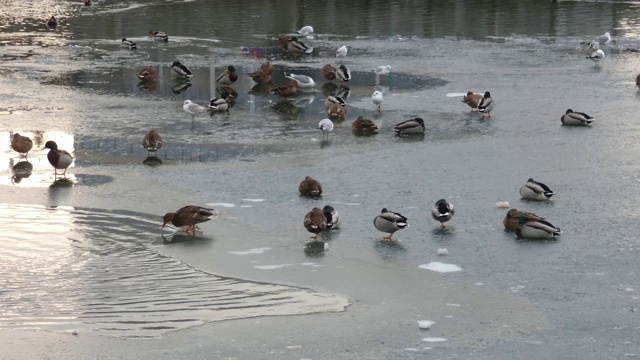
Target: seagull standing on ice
305 30
377 99
303 81
192 109
596 57
342 51
325 125
382 69
600 40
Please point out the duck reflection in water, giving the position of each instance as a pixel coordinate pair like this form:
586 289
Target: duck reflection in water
152 161
315 248
148 86
21 170
186 239
180 85
285 107
389 250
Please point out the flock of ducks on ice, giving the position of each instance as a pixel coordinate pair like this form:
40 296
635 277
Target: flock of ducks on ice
526 225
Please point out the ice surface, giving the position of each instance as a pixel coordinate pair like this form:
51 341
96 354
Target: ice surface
271 267
440 267
250 251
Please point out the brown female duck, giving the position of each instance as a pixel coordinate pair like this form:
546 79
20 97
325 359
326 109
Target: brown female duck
152 142
286 90
513 216
310 187
147 74
364 125
328 72
188 216
21 144
315 222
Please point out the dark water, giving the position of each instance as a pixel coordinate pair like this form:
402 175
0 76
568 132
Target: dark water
537 299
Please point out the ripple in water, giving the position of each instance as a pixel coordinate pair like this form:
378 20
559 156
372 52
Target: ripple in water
71 269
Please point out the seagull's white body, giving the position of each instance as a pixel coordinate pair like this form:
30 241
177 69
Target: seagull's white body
382 69
305 30
377 99
342 51
600 40
326 126
192 108
303 81
596 56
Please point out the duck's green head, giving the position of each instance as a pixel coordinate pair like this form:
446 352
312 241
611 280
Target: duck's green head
231 68
51 145
328 208
294 38
523 220
176 63
225 94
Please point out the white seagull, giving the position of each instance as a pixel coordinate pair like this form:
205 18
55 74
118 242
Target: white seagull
600 40
596 57
192 108
377 99
303 81
342 51
382 69
325 125
305 30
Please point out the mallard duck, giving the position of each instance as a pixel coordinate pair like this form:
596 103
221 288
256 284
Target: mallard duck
310 187
296 46
152 142
413 126
333 218
473 100
333 99
342 51
286 90
326 126
59 159
228 77
377 100
512 219
336 111
303 81
329 72
486 105
305 30
52 23
192 108
536 229
158 35
442 211
283 41
178 70
260 76
147 74
638 81
130 44
575 118
21 144
389 222
364 125
596 56
534 190
268 68
220 103
188 216
315 222
343 73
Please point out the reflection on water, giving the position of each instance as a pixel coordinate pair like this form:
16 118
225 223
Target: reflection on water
71 269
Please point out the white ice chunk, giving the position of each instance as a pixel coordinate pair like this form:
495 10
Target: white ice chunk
425 324
250 251
434 339
271 267
440 267
442 251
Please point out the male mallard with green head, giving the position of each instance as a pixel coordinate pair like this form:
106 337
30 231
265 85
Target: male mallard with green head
228 77
442 211
59 159
390 222
536 229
